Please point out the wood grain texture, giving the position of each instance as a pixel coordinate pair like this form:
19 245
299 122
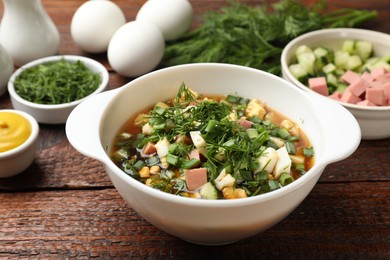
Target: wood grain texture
65 207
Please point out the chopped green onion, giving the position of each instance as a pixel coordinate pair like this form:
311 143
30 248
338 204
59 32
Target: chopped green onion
308 152
244 101
300 167
173 159
283 133
229 143
139 164
252 133
159 126
152 161
273 184
285 179
159 110
190 163
173 148
290 147
211 125
233 99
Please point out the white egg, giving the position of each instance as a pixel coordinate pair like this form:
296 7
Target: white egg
172 17
94 23
136 48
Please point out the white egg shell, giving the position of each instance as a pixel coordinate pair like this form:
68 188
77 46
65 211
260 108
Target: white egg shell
172 17
136 48
94 23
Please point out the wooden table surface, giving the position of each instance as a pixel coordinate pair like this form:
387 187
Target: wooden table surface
64 205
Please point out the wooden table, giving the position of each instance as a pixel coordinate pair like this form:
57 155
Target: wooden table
64 205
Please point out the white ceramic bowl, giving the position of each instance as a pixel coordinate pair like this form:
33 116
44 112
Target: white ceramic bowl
333 131
58 113
374 121
18 159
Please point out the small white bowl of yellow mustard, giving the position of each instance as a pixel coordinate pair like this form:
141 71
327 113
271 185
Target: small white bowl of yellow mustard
18 141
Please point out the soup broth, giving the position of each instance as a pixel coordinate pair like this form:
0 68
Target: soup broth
212 147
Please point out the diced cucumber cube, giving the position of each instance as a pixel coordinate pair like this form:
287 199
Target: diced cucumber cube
341 86
302 49
341 58
369 64
299 72
348 46
353 62
339 72
386 58
208 191
381 64
320 52
329 68
307 60
325 54
331 79
363 49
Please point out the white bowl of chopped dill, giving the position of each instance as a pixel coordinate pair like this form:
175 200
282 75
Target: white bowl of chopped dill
50 88
203 168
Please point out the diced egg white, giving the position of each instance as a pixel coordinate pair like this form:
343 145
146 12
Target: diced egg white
198 141
279 142
162 147
267 160
147 129
284 162
223 180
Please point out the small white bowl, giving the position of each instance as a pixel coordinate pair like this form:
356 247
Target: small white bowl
58 113
374 121
333 131
18 159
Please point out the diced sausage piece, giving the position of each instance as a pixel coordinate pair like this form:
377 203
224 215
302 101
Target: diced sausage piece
365 103
378 72
376 84
319 85
349 97
382 79
245 123
194 154
183 139
386 90
195 178
358 87
336 95
367 77
376 96
350 77
150 148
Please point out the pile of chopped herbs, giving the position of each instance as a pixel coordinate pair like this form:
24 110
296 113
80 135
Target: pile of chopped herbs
255 36
56 82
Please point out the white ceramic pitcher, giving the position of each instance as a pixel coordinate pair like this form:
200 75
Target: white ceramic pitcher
27 31
6 69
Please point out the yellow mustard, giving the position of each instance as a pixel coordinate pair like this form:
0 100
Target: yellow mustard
14 130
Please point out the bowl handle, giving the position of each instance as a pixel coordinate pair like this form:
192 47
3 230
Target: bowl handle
342 126
82 126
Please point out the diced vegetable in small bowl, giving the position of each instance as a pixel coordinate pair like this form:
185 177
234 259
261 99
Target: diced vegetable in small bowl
208 159
350 66
51 87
